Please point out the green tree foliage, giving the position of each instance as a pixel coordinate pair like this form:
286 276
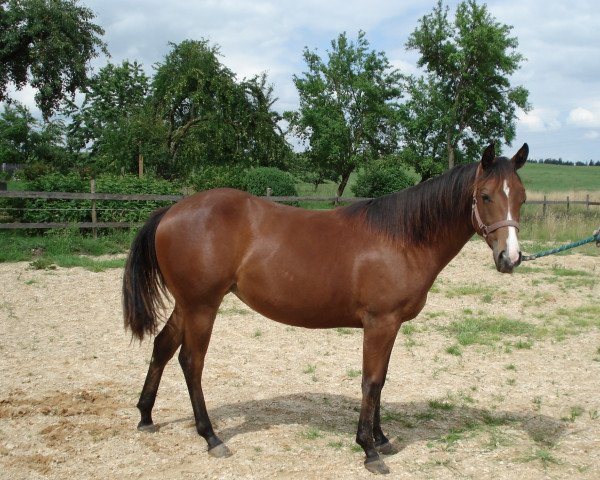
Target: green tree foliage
112 123
47 44
24 140
348 108
208 117
381 177
280 182
218 176
466 99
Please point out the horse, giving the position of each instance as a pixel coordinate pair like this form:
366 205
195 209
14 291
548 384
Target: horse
367 265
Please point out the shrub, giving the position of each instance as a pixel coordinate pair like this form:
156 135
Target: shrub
131 211
217 176
51 210
381 178
261 178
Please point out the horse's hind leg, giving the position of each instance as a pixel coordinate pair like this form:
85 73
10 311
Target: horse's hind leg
197 331
165 345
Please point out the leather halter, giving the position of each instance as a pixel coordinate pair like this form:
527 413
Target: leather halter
480 227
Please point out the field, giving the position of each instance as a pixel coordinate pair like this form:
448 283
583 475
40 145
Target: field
496 379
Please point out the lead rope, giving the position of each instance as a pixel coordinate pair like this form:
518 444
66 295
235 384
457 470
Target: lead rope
594 238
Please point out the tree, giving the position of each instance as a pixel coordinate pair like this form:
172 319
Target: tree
208 116
47 44
16 127
348 108
468 64
109 123
24 140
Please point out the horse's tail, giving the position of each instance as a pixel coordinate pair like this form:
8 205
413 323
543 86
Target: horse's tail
143 282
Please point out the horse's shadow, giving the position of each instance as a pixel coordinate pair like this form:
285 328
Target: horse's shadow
404 423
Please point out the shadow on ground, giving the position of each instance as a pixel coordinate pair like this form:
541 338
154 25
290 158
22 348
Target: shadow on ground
404 423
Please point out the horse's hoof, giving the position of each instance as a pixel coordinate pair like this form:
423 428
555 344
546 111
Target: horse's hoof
147 427
220 451
377 467
387 449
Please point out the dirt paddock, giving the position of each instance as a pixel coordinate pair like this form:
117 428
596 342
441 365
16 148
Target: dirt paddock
516 403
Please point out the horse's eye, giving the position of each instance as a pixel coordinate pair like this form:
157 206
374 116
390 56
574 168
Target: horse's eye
486 198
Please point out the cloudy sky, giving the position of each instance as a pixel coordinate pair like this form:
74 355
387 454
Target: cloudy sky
560 40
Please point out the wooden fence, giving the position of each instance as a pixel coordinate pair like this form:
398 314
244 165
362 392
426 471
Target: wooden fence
93 197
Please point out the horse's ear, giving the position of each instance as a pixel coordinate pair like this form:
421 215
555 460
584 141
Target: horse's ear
489 155
520 157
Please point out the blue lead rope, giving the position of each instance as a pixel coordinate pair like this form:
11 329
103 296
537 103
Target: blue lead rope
594 238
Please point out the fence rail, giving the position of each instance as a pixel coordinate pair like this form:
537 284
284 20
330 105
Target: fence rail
93 197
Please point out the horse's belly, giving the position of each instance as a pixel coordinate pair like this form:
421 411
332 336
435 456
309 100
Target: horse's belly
301 304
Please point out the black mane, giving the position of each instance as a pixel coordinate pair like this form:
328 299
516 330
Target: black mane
418 214
426 211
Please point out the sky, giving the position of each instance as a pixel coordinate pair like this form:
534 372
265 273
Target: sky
560 41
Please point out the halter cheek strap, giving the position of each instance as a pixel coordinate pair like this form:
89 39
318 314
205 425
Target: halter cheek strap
483 229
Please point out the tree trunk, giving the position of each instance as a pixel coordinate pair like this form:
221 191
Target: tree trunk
343 183
451 154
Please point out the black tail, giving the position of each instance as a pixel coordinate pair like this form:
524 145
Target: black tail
143 283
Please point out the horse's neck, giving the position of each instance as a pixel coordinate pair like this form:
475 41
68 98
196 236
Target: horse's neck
449 244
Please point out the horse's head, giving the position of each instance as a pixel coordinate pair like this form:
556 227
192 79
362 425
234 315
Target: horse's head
497 198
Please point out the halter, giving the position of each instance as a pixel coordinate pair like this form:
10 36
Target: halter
480 227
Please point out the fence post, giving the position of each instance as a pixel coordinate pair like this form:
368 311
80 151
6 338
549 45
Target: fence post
587 201
269 191
140 165
544 208
568 204
94 218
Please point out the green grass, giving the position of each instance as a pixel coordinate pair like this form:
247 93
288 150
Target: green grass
559 178
477 290
487 330
56 246
454 350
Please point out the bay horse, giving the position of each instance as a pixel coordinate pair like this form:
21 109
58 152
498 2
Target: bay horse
369 265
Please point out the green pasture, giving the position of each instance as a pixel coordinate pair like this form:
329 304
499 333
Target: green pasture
561 179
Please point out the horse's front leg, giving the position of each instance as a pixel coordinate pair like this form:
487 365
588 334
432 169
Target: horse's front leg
377 346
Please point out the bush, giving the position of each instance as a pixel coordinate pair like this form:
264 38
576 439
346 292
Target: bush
218 176
261 178
42 210
381 178
131 211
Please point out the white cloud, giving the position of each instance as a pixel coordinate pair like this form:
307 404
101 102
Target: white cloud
585 117
591 135
539 120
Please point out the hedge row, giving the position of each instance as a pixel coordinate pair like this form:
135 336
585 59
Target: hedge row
254 181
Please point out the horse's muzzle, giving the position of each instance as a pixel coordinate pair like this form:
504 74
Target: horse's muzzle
504 264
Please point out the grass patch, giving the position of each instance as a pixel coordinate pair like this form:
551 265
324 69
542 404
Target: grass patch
544 456
312 433
65 248
574 413
344 331
572 321
487 330
476 290
440 405
454 350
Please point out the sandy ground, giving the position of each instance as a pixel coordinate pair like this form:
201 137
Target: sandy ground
286 400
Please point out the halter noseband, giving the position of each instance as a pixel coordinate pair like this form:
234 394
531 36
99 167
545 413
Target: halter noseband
480 227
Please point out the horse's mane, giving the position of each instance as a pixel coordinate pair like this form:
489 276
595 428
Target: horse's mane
423 212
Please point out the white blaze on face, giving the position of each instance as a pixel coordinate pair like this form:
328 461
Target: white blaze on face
512 242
